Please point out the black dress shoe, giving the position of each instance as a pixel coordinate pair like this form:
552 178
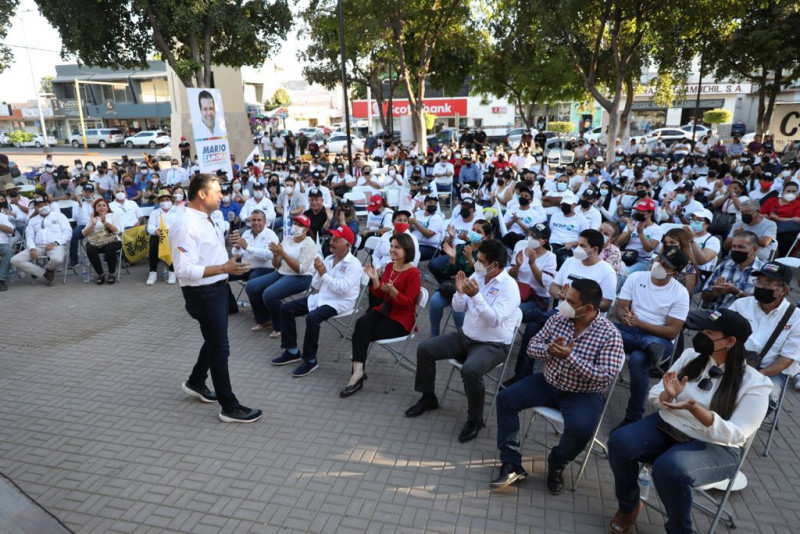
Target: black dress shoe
422 406
509 473
349 390
470 431
555 481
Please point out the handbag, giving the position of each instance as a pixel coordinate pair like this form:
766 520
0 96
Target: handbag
754 358
629 257
525 291
447 289
722 223
101 239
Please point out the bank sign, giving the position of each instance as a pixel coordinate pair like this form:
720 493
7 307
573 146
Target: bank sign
785 125
441 107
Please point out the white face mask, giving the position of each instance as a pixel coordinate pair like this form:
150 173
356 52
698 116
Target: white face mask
579 253
178 196
226 199
237 186
289 189
789 197
259 195
658 272
565 309
44 210
165 205
480 269
392 173
120 196
533 243
297 231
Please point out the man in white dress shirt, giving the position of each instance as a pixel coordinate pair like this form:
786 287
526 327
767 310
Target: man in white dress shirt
202 265
490 298
127 211
47 234
170 215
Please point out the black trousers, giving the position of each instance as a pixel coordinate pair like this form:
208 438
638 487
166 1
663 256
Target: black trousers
154 254
370 327
110 250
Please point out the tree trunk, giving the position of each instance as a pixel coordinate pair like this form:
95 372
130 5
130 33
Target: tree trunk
773 95
625 116
762 90
207 53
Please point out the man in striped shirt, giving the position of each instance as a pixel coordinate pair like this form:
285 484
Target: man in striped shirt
582 352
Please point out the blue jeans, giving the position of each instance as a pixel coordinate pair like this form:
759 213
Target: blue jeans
677 467
437 305
581 414
208 305
636 345
778 381
314 319
436 267
5 261
426 252
77 235
265 294
535 318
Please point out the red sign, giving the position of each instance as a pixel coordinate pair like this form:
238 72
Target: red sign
441 107
497 110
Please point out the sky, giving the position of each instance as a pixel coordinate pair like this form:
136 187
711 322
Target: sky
16 84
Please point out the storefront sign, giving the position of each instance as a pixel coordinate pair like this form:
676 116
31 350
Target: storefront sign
704 104
441 107
705 89
785 125
33 113
499 110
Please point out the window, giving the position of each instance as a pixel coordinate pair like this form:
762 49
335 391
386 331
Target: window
154 90
69 92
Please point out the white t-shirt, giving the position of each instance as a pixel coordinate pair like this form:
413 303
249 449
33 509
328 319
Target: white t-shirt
592 216
377 221
601 272
529 216
434 223
650 232
565 229
653 304
546 263
708 241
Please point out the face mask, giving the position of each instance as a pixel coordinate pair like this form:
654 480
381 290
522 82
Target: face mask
605 239
623 167
562 186
474 237
127 182
696 226
604 192
747 218
480 269
739 256
565 309
566 209
392 173
579 253
789 197
500 182
120 196
175 167
662 168
585 203
165 205
258 195
154 181
524 201
237 186
464 213
79 167
3 205
297 230
785 173
178 196
618 158
400 227
430 209
680 198
676 177
641 193
658 272
703 344
727 181
533 243
764 295
289 189
44 210
89 168
765 184
226 199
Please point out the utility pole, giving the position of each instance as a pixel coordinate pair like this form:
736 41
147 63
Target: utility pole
344 89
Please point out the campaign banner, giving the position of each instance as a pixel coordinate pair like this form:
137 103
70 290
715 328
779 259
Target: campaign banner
210 132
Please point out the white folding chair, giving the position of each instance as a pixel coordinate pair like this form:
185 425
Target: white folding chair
791 249
359 203
146 211
344 323
499 369
404 341
775 416
369 247
555 418
718 508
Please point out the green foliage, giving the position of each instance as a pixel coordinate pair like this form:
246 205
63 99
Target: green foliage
46 84
20 136
7 8
717 116
279 98
191 35
561 128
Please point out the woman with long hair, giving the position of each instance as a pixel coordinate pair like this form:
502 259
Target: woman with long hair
708 404
678 237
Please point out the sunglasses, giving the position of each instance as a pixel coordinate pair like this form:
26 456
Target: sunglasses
714 372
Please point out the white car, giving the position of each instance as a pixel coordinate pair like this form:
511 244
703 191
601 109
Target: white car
4 139
164 154
338 141
557 152
37 141
313 133
148 138
101 137
669 135
597 135
748 138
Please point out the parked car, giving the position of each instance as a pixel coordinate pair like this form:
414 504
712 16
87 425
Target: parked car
669 135
395 135
557 151
597 135
338 141
148 138
748 138
101 137
4 139
446 137
13 169
700 130
738 128
317 134
37 141
165 153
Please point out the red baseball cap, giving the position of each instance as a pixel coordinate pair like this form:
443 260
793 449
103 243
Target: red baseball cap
646 204
183 138
345 233
304 220
375 202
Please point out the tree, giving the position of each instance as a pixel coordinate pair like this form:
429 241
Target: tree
7 8
522 65
190 35
764 50
717 116
279 98
561 128
46 84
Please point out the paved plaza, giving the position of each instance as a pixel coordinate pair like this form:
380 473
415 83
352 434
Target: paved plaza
94 427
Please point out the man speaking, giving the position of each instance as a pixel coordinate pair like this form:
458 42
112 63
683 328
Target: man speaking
202 267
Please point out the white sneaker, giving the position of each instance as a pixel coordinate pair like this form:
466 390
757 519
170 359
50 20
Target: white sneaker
797 382
152 278
172 278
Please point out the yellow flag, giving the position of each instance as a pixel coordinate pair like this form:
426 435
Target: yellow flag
135 243
164 253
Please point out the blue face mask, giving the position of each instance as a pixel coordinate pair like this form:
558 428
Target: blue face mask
696 226
680 197
662 168
619 158
604 192
562 186
593 179
474 237
558 175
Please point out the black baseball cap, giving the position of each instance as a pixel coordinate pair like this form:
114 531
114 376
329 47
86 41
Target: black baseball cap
314 192
675 258
728 322
541 230
776 271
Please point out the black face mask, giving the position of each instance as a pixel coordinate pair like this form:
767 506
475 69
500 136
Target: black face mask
703 344
431 209
465 212
747 218
585 203
524 201
676 177
641 193
764 295
13 194
746 172
128 183
500 181
566 209
3 205
638 216
739 257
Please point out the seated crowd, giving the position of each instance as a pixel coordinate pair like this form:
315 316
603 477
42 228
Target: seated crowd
600 264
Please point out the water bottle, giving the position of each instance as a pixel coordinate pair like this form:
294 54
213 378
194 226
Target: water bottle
644 483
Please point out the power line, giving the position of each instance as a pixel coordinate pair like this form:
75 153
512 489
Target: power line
33 48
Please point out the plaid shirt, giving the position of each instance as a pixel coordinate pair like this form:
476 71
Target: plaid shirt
595 359
741 278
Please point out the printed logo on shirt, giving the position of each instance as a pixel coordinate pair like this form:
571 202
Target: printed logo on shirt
493 291
568 227
183 250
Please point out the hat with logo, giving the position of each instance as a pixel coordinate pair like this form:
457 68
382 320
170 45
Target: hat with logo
345 233
646 204
375 202
303 220
776 271
541 230
339 168
315 192
675 258
728 322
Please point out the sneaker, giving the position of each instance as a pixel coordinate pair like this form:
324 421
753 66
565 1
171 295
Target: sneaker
202 393
509 473
3 286
305 368
275 334
796 377
242 414
171 279
152 278
287 357
261 326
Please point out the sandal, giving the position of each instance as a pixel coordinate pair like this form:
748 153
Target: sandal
101 279
621 523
